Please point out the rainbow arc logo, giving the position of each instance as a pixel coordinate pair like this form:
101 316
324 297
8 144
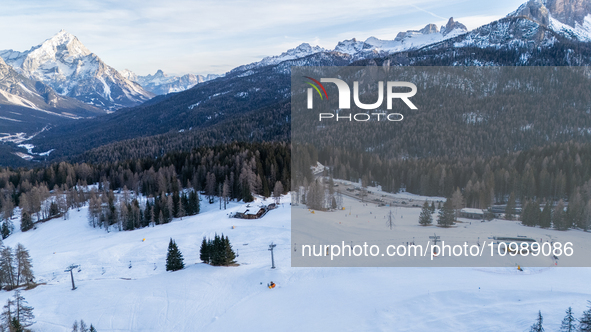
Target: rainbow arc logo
316 87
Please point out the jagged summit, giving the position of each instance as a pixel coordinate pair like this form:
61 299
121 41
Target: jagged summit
72 70
533 10
571 18
451 26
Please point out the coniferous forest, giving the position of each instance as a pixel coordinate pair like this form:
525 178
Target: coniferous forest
172 186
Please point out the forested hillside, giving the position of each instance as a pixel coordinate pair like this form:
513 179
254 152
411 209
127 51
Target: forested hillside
172 182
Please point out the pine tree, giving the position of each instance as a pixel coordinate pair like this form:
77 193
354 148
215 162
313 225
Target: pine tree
92 329
217 251
180 209
510 208
26 221
546 216
186 206
569 323
229 255
432 208
15 326
446 214
537 327
174 259
559 218
204 252
194 202
5 230
425 218
585 321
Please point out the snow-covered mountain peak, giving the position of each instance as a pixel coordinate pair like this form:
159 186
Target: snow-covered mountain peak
71 69
300 51
351 46
61 45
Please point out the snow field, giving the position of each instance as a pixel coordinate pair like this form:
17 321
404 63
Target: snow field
206 298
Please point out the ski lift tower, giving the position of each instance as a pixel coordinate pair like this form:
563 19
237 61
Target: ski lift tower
69 269
435 238
271 246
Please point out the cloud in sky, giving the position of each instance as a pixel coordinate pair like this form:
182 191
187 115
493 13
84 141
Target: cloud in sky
208 36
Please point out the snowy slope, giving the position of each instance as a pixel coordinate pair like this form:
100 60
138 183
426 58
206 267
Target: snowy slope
66 65
205 298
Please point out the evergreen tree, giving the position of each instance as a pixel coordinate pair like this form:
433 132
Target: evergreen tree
5 230
446 215
559 218
537 327
432 208
217 251
174 259
229 255
204 252
510 208
569 323
26 221
15 326
546 216
425 218
186 206
531 213
92 329
176 201
194 202
585 321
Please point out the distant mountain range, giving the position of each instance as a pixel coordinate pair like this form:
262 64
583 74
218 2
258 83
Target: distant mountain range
161 84
539 32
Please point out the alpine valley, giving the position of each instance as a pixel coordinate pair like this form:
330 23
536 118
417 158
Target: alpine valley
252 102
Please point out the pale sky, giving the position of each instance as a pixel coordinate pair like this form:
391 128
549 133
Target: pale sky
214 36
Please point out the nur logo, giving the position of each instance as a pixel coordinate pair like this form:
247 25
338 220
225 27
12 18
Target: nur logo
345 93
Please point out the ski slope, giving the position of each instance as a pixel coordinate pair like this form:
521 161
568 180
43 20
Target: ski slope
114 297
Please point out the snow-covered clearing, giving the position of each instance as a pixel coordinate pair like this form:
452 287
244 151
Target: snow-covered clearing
204 298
